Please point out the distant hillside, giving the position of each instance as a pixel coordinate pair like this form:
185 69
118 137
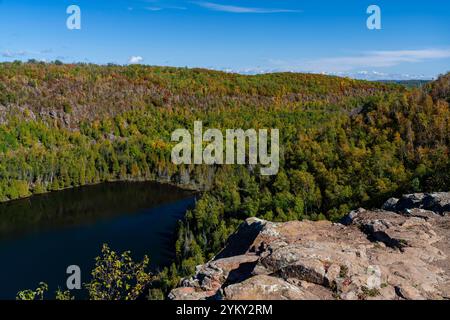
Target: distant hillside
71 125
407 83
440 89
73 93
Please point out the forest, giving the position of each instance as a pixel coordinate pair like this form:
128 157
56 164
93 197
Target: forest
344 143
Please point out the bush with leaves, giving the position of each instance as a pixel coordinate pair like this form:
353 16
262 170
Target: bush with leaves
118 277
63 295
37 294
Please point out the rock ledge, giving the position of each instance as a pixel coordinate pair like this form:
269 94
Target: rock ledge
400 252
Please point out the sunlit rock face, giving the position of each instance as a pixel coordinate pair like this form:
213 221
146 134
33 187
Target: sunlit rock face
399 252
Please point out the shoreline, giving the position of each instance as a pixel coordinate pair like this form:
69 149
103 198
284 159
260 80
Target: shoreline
186 187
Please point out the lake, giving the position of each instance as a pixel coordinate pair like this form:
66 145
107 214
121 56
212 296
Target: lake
44 234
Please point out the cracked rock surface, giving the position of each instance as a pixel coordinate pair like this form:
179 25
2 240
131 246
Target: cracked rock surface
395 254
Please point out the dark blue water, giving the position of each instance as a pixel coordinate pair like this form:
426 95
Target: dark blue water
41 236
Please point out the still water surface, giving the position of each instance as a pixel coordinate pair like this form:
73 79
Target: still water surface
42 235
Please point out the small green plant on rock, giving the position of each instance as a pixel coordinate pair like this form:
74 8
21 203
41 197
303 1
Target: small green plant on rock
366 292
343 272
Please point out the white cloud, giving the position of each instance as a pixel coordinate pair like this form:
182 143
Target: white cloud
23 53
157 5
379 59
12 54
370 59
153 8
361 74
237 9
375 75
135 60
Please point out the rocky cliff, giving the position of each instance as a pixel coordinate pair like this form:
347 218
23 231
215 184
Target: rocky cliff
399 252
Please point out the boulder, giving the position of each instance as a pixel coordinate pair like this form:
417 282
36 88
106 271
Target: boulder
267 288
438 202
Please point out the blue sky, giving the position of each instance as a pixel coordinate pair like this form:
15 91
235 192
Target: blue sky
239 35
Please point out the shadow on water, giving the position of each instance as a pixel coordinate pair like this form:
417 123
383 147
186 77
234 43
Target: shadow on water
42 235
